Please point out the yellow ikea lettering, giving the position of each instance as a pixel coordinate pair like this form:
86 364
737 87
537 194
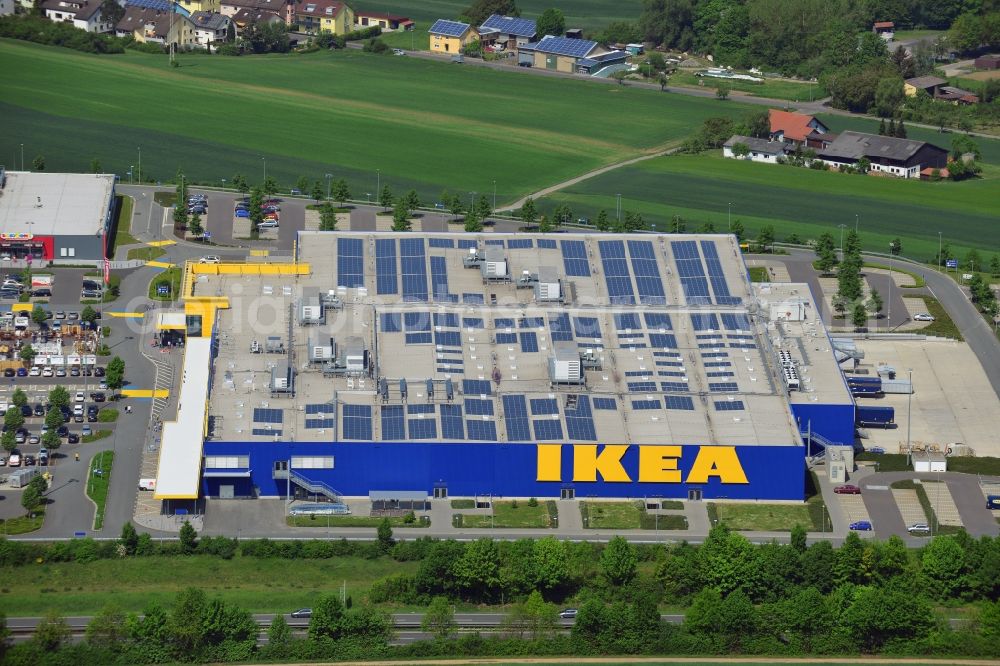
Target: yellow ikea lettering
658 464
549 462
720 461
587 463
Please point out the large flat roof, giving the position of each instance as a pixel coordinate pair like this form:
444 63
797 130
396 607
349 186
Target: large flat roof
681 352
53 204
177 475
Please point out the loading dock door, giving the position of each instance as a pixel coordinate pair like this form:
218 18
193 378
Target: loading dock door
227 492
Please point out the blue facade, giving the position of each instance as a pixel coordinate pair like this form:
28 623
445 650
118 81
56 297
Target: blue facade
500 469
834 422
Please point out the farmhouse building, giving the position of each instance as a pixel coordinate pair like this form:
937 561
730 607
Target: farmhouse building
559 53
155 26
451 36
904 158
929 84
383 20
82 14
506 32
758 150
192 6
314 16
796 128
245 15
988 62
884 29
6 7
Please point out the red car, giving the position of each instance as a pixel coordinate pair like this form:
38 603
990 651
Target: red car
847 490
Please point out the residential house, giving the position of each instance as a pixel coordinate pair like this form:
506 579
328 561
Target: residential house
315 16
451 36
559 53
152 26
884 29
904 158
82 14
601 61
796 128
245 15
759 150
193 6
259 8
929 84
506 33
388 22
210 28
956 96
988 62
161 5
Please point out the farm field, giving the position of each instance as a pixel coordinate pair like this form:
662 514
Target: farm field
796 201
423 124
794 91
587 14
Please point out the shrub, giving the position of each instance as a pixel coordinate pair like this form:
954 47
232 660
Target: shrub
228 50
375 45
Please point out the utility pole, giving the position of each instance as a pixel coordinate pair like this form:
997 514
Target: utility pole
939 252
494 195
909 401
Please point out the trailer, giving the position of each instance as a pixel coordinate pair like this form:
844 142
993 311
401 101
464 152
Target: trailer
993 502
874 416
22 477
865 390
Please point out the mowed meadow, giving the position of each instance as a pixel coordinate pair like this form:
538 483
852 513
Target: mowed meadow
423 124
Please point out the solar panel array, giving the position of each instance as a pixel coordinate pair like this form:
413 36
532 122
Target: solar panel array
691 272
716 276
350 263
573 48
616 272
648 281
516 418
510 26
263 415
575 260
386 281
357 422
411 252
439 281
448 28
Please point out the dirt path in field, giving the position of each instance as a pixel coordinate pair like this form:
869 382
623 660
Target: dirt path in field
663 660
590 174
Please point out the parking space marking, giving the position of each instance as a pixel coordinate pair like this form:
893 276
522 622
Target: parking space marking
160 264
145 393
161 243
853 507
909 506
943 503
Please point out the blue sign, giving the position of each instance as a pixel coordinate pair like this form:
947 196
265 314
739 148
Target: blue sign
79 535
206 235
951 263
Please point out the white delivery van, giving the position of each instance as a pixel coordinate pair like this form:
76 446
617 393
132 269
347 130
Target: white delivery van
147 484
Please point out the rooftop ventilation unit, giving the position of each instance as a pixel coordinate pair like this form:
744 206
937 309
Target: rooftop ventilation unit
494 264
548 287
564 365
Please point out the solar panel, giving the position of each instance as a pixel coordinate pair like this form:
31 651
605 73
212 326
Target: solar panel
515 417
626 321
674 387
544 406
719 387
663 340
418 338
357 422
547 429
478 407
350 262
448 28
575 258
648 281
473 322
393 425
683 402
559 327
729 405
495 241
691 271
704 321
573 48
422 428
485 431
444 243
657 320
324 408
605 403
466 243
719 374
520 243
546 244
162 5
587 327
420 409
642 387
414 265
506 338
391 322
417 321
503 322
473 299
735 322
439 281
716 276
261 415
510 26
580 421
452 426
530 322
616 272
386 281
646 404
529 342
446 319
448 338
477 387
313 424
264 432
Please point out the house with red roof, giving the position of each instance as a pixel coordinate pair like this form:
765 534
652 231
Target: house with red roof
798 129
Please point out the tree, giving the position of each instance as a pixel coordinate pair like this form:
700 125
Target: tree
38 315
663 80
341 192
480 10
327 218
51 632
439 618
678 225
400 217
256 210
317 192
722 91
798 538
13 419
473 224
19 398
741 149
8 440
881 127
115 374
619 76
188 538
302 184
995 266
327 618
129 539
27 353
269 186
602 223
412 201
95 164
766 237
51 440
31 499
180 205
38 164
900 129
737 229
528 212
107 629
962 145
385 197
54 418
875 304
551 22
279 637
879 615
896 247
240 183
826 253
186 624
384 540
483 208
454 204
859 316
888 96
550 558
195 227
618 561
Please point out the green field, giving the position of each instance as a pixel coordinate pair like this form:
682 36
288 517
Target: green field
587 14
424 124
777 88
794 200
259 585
514 515
763 517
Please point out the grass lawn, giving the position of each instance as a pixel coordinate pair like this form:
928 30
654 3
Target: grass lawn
901 35
107 415
123 222
942 324
507 514
763 517
96 435
777 88
98 481
612 515
171 276
793 200
58 101
146 253
21 525
759 274
350 521
463 504
259 585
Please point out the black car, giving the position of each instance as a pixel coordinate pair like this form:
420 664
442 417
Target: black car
98 371
29 460
62 431
73 438
9 372
65 412
8 294
42 293
39 410
27 411
98 397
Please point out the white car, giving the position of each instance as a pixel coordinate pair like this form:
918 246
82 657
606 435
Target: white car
923 316
211 259
47 372
398 52
268 224
35 372
79 397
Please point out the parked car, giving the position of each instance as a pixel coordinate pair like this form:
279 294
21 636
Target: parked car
302 613
27 411
847 490
39 410
60 372
47 372
22 372
74 371
3 461
268 224
9 372
35 372
398 52
210 259
29 460
923 316
34 439
919 528
15 458
90 294
60 315
73 316
568 613
79 397
43 456
62 431
877 450
86 431
42 293
73 438
97 397
861 526
242 213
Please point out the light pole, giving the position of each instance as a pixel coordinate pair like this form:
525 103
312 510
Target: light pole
223 183
472 201
888 316
939 252
329 182
22 157
909 401
729 223
618 207
138 177
494 195
842 227
378 181
130 167
264 160
857 218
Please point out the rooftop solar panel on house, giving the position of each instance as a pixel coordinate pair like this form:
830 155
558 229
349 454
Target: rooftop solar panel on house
509 26
674 387
506 338
616 272
575 260
419 409
314 424
520 243
386 281
473 322
642 387
448 28
503 322
729 405
466 243
443 243
478 407
448 338
573 48
414 269
357 422
719 387
417 338
515 417
704 321
663 340
324 408
627 321
530 322
691 272
446 319
350 262
646 404
264 432
735 322
473 299
417 321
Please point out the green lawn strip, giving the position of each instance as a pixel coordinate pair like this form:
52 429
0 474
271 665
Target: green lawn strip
107 415
352 521
98 481
171 276
95 436
918 280
258 585
165 199
796 91
123 222
463 504
763 517
146 253
942 324
417 39
671 504
759 274
630 515
511 514
362 94
887 462
21 525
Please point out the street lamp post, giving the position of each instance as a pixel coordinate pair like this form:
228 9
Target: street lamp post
618 207
223 183
729 223
22 157
130 167
857 218
842 227
939 252
264 160
138 176
909 401
494 195
472 201
888 316
329 182
378 181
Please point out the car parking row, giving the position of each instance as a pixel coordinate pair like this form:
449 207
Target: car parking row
271 209
13 288
197 204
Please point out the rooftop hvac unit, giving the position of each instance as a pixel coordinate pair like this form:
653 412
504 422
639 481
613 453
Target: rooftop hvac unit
281 378
564 365
320 351
311 311
790 310
791 377
274 345
548 288
494 267
355 356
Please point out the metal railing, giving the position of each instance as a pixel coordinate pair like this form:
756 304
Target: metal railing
315 487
